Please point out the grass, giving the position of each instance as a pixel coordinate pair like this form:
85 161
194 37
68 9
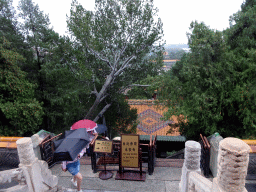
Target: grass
170 153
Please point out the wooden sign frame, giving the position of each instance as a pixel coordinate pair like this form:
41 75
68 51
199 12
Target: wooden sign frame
99 150
134 138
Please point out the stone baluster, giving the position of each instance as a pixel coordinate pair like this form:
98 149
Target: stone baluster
25 151
191 163
29 162
233 162
36 140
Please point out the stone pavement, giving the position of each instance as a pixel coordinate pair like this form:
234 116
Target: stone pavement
164 179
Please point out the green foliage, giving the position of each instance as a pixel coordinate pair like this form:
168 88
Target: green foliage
121 118
66 92
170 153
9 27
175 53
117 43
139 92
155 85
64 75
20 111
208 91
44 68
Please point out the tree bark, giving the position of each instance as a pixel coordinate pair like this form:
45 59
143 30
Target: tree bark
101 94
102 112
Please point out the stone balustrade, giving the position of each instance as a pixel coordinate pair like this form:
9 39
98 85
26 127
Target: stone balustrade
199 183
36 140
32 175
233 162
20 175
191 163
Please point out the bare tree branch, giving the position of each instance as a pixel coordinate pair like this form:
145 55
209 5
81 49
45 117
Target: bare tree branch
94 92
138 85
97 54
133 85
102 112
125 65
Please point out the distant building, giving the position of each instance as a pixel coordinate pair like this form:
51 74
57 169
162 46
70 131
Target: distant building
168 64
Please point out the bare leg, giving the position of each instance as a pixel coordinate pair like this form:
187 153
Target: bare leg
79 178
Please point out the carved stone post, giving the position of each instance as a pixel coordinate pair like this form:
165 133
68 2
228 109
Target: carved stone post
36 140
191 163
233 162
30 162
40 177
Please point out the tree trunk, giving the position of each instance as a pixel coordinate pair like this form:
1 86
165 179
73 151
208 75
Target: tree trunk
102 112
90 113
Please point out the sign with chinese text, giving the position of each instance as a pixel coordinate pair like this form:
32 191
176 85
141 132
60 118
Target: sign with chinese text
130 151
103 146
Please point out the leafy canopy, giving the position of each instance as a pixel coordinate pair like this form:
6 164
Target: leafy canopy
19 110
208 91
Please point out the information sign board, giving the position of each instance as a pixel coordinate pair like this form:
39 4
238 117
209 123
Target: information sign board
130 151
103 146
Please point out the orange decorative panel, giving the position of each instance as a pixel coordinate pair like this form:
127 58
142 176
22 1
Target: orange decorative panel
150 118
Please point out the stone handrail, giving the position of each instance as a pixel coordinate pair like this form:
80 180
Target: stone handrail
233 162
199 183
9 175
191 163
21 175
32 175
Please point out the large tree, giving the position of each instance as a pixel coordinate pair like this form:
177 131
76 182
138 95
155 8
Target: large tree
65 88
41 40
198 92
20 112
9 27
241 38
118 36
212 89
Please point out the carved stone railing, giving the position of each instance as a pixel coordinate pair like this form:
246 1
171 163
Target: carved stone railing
191 163
19 175
32 175
199 183
233 162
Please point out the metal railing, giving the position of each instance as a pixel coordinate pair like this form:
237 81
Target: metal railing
205 155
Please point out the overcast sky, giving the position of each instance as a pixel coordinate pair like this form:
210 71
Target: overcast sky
176 15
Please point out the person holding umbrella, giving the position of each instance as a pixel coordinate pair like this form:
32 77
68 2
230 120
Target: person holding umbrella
74 166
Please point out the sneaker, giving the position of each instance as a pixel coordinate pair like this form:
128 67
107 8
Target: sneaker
74 182
80 190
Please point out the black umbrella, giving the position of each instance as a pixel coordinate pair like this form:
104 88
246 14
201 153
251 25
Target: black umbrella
101 128
70 144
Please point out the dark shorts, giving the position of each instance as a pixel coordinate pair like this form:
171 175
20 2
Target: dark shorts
74 168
